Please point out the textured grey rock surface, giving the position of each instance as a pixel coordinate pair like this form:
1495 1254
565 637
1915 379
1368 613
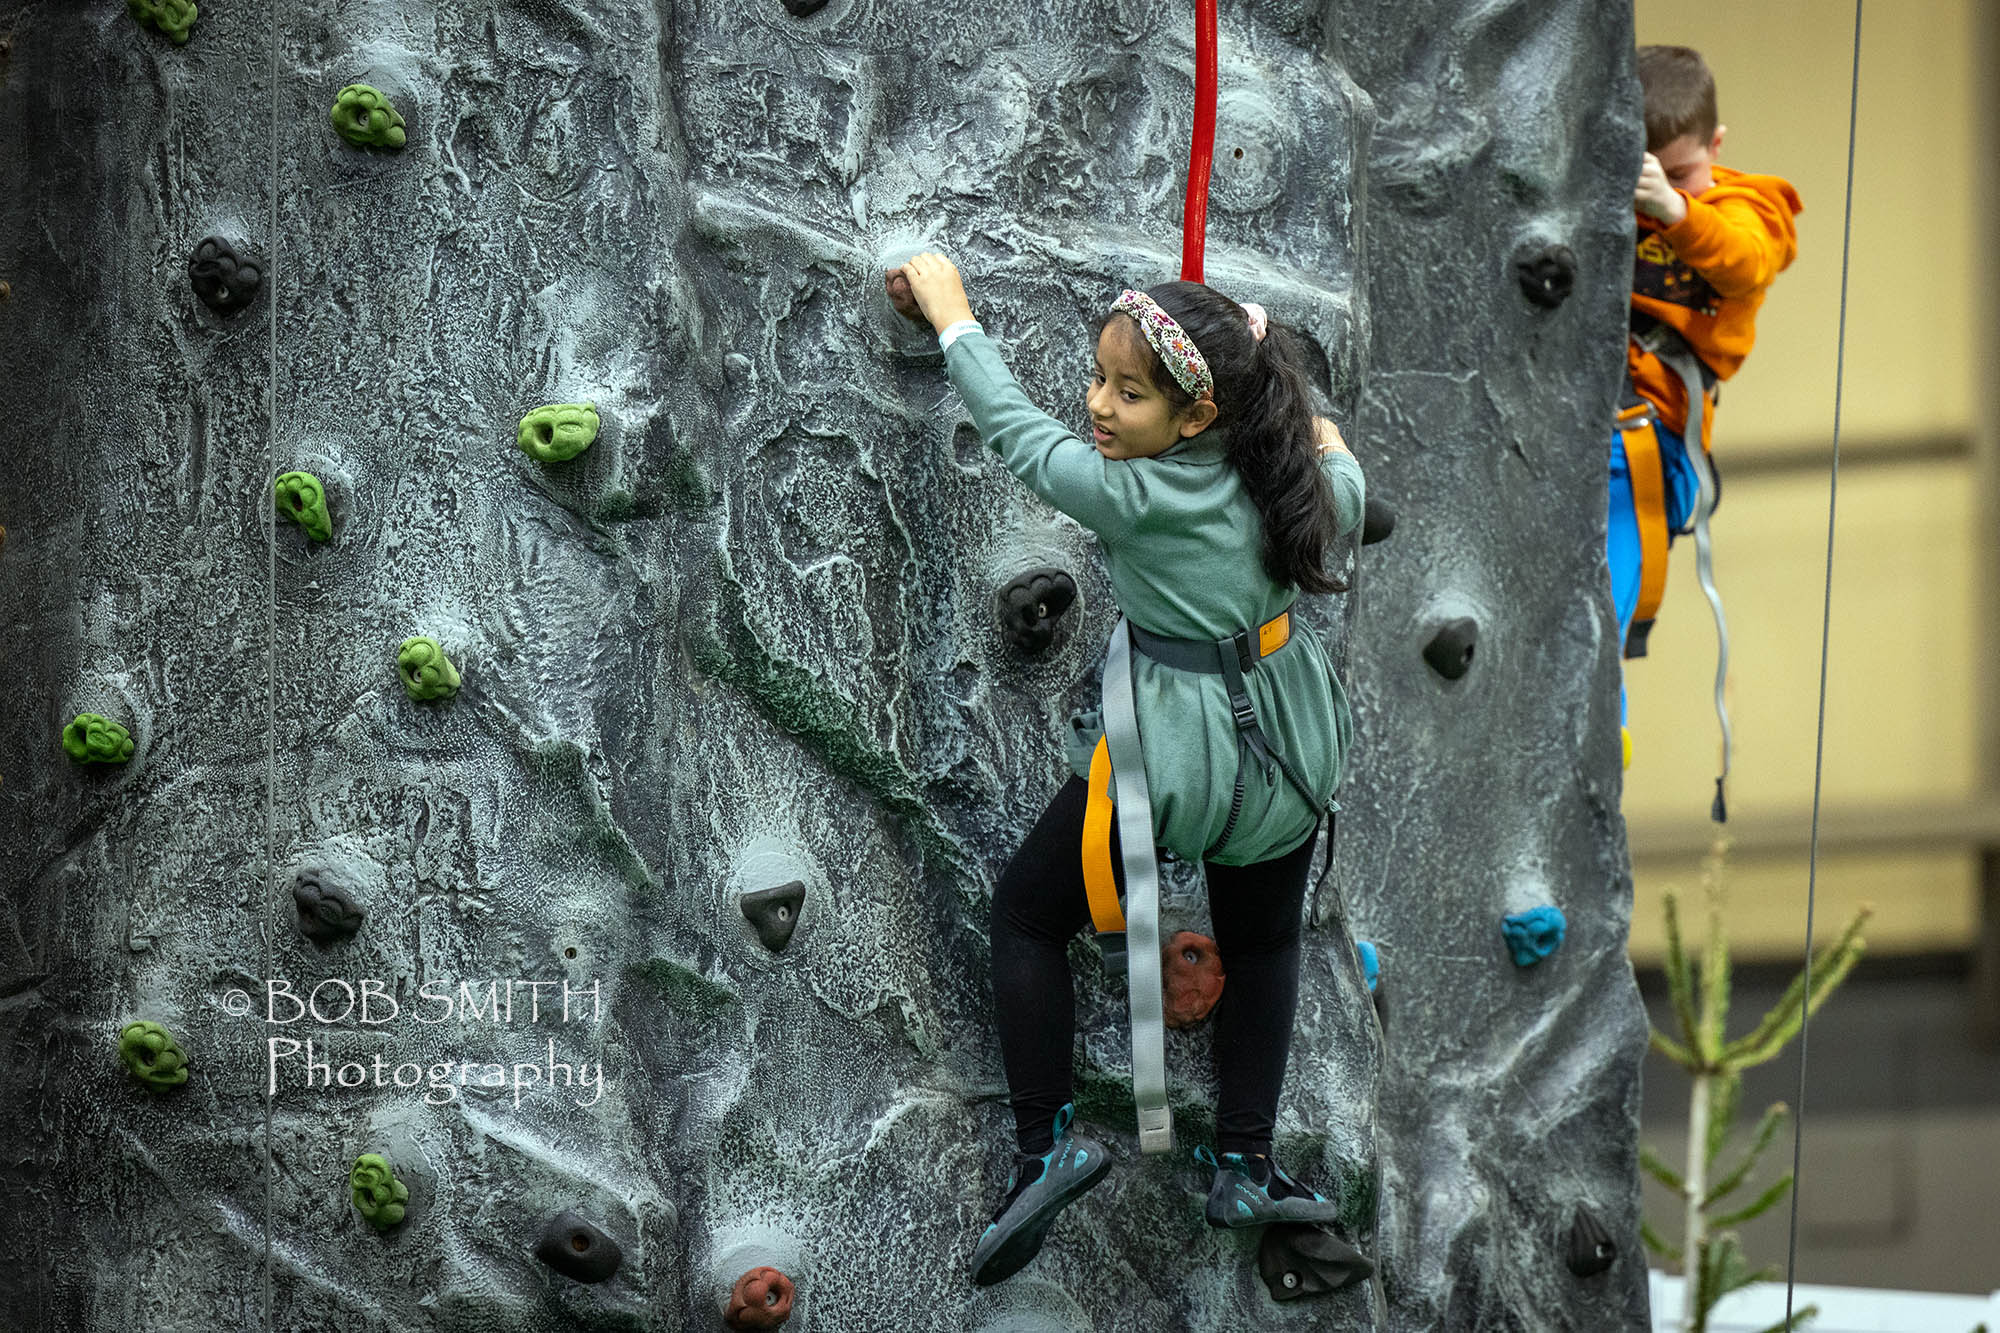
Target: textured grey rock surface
750 638
1508 1095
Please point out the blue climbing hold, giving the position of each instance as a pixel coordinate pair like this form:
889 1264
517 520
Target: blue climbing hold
1534 934
1371 963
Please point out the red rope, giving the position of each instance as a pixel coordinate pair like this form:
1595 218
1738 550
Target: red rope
1201 157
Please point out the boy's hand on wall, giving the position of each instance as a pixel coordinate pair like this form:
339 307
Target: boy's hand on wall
1655 196
936 288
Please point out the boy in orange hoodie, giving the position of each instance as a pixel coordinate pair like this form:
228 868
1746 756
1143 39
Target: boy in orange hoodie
1711 240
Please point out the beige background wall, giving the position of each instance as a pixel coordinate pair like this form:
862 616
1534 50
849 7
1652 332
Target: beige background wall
1902 756
1902 1133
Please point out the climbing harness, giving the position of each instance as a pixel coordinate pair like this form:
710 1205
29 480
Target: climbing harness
1130 939
1639 423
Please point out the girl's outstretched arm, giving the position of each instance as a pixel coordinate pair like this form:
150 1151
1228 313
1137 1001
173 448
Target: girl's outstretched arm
1105 495
1343 473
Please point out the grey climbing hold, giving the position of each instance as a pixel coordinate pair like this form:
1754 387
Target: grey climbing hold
1377 521
1450 650
1031 606
1296 1260
1547 275
578 1250
774 913
798 9
327 911
1590 1248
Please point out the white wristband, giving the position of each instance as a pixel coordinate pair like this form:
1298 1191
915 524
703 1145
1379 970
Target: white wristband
952 331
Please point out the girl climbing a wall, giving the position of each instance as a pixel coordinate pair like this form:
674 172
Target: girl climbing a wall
1217 496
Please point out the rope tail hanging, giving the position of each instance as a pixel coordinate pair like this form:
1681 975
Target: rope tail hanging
1825 635
1201 155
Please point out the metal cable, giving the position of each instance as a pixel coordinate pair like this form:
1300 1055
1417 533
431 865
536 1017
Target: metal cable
1825 636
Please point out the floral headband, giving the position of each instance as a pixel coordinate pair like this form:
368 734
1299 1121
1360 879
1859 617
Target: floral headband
1183 359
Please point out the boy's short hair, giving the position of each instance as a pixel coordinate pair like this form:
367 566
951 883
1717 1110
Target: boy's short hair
1680 95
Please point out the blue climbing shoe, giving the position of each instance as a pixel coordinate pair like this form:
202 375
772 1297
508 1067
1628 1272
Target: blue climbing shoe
1255 1191
1041 1187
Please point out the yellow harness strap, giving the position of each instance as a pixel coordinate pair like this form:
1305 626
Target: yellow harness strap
1099 885
1649 506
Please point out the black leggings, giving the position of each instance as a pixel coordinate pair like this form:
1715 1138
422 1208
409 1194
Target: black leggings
1040 903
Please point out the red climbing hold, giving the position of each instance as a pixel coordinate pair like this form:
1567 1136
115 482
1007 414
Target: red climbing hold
902 298
1192 978
762 1298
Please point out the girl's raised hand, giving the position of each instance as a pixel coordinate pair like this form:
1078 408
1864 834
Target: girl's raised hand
935 285
1328 436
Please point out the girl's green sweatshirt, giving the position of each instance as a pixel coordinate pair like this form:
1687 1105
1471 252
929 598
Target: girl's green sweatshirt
1183 546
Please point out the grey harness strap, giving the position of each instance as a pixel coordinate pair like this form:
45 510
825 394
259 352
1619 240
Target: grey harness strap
1676 356
1134 810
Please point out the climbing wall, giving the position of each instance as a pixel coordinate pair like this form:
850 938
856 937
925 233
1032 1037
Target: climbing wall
653 956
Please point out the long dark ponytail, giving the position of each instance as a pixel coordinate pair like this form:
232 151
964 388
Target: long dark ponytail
1264 408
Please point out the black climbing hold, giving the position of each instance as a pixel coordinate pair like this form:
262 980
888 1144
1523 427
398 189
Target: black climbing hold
576 1249
798 9
1590 1247
1547 275
1031 605
1296 1260
1450 650
327 912
225 281
774 913
1377 521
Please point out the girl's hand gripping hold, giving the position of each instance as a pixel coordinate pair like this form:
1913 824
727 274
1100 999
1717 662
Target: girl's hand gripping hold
932 282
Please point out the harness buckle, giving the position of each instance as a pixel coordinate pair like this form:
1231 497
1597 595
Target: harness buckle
1244 711
1246 652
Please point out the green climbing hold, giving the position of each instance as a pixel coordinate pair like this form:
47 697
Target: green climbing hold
175 18
558 432
152 1055
365 119
381 1197
427 673
301 496
97 740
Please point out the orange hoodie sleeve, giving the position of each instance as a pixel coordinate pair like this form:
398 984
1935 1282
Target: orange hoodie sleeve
1738 237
